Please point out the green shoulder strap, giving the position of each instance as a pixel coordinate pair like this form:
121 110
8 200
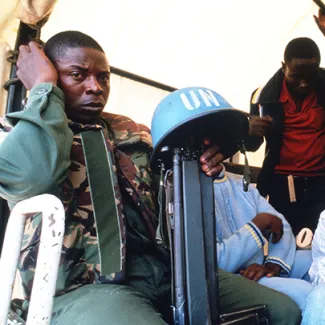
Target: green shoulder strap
100 171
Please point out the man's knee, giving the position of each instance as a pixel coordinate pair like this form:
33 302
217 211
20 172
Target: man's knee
296 289
96 304
237 292
284 311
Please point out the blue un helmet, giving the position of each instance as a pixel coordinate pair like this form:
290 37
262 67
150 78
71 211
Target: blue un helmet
190 115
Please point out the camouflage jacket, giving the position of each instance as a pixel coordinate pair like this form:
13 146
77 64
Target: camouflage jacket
130 145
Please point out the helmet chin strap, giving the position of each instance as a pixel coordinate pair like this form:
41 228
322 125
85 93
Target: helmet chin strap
247 170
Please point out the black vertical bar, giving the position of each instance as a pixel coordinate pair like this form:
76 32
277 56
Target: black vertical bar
197 292
4 214
178 249
17 92
209 223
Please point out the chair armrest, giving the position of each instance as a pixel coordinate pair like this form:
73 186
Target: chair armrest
53 222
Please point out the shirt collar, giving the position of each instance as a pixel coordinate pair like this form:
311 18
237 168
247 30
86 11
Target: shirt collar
284 94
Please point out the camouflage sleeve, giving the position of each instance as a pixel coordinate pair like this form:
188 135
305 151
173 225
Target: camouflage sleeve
145 167
146 138
35 155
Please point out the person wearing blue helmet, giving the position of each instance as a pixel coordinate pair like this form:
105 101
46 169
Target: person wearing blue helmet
63 143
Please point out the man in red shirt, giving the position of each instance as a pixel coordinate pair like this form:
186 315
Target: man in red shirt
289 111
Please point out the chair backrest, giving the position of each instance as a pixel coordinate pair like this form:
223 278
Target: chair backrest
50 247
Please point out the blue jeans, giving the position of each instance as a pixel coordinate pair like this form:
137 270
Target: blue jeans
294 286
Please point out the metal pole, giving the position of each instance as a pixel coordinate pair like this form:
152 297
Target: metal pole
196 277
179 262
210 245
53 221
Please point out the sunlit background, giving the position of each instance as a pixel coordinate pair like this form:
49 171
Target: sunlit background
232 47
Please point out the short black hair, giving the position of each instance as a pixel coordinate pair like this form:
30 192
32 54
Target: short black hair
59 43
301 48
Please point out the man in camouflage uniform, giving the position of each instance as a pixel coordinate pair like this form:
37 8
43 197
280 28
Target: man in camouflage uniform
112 271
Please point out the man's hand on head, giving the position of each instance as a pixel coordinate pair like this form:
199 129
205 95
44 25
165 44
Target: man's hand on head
34 67
256 271
211 159
320 21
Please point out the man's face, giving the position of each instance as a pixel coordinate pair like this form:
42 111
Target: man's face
84 77
301 75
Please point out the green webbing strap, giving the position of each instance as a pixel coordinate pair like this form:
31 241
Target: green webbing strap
247 170
100 175
161 201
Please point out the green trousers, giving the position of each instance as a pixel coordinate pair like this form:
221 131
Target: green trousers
138 302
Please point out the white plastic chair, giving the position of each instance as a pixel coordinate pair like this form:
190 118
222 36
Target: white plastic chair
53 218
